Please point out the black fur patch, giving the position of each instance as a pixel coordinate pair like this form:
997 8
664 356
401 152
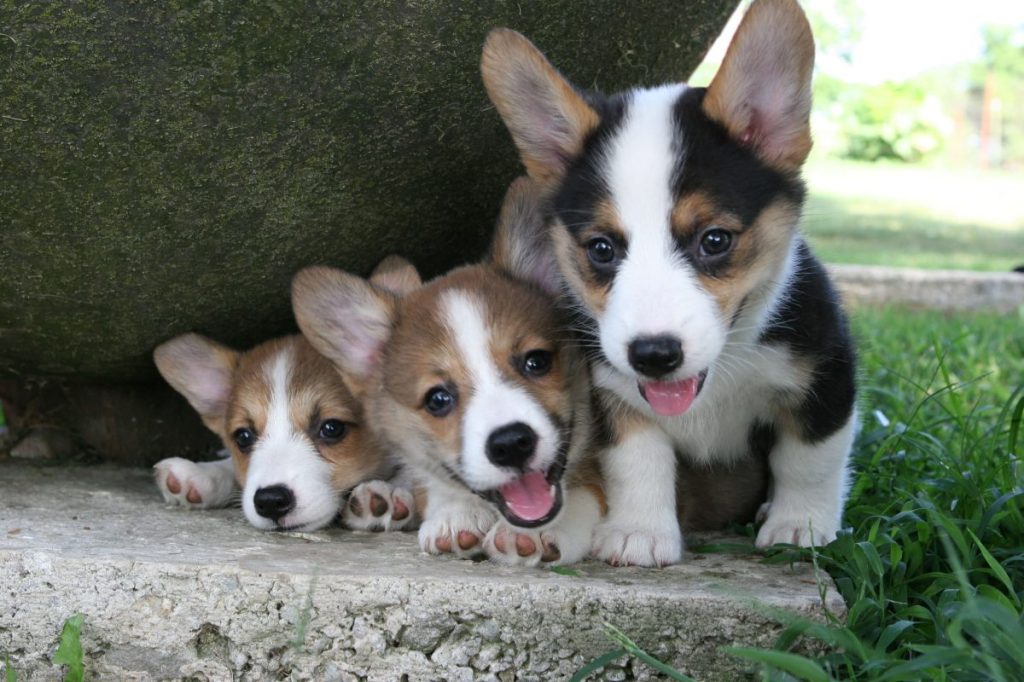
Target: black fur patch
731 174
812 323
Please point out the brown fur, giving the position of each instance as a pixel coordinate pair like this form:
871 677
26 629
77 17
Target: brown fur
532 75
733 98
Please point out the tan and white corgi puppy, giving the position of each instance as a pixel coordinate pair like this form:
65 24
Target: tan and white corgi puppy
713 331
296 433
469 381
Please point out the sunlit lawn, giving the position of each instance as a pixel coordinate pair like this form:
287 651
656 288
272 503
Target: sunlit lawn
912 216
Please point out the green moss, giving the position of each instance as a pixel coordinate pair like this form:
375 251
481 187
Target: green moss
169 166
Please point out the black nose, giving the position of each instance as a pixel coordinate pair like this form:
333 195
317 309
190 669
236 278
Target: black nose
511 445
274 501
656 356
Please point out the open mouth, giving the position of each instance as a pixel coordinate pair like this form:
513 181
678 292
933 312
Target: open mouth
672 398
531 500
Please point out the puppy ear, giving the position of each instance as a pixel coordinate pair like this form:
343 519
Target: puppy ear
762 92
548 119
520 245
397 275
202 370
347 319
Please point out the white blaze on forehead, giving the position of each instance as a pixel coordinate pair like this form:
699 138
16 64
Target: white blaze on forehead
284 455
493 402
655 291
642 158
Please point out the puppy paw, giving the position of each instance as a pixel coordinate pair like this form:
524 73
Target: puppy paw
798 529
379 505
631 546
185 483
512 546
458 530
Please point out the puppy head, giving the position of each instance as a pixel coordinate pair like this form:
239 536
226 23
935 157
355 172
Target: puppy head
294 430
468 377
672 210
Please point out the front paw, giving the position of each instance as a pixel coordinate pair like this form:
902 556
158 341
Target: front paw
632 546
506 544
458 530
795 528
184 483
379 505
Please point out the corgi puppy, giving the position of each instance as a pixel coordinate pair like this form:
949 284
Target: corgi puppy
468 380
296 434
713 331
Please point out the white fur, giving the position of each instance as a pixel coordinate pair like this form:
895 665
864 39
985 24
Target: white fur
284 455
451 510
641 527
493 402
809 485
214 482
655 292
391 492
571 532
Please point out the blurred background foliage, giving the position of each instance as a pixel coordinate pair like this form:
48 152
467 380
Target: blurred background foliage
919 134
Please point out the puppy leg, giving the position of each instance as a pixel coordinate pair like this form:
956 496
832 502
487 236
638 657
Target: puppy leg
454 522
641 528
379 505
809 486
566 540
196 485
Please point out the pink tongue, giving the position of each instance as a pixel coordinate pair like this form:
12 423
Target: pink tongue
529 497
669 398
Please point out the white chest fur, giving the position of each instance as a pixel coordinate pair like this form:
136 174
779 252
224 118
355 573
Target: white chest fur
748 382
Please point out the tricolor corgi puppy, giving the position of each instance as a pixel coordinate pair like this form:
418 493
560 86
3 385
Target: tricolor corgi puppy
672 228
468 380
297 436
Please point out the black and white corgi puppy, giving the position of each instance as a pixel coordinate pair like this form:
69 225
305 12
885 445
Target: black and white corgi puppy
672 229
469 381
296 434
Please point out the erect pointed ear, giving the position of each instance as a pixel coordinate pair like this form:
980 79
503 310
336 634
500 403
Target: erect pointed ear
548 119
202 370
520 245
347 319
397 275
762 92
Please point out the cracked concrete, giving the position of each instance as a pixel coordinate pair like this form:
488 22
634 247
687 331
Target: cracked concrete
172 594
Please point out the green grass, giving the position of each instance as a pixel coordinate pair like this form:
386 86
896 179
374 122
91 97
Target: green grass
914 216
932 566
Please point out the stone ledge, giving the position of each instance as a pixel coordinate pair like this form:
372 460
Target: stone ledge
950 290
172 594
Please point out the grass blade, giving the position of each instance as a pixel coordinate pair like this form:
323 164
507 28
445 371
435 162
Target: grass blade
597 664
634 650
799 666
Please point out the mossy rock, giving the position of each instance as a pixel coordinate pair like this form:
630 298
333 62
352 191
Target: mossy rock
167 166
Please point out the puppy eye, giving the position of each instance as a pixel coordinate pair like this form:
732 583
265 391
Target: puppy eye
439 401
244 439
332 429
715 242
537 363
601 251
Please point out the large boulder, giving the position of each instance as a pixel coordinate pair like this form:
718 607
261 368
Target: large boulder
168 166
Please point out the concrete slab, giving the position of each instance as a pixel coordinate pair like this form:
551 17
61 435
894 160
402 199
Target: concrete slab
172 594
949 290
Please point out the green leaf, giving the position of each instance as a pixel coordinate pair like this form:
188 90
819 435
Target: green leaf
597 664
565 570
9 674
997 569
794 664
69 652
